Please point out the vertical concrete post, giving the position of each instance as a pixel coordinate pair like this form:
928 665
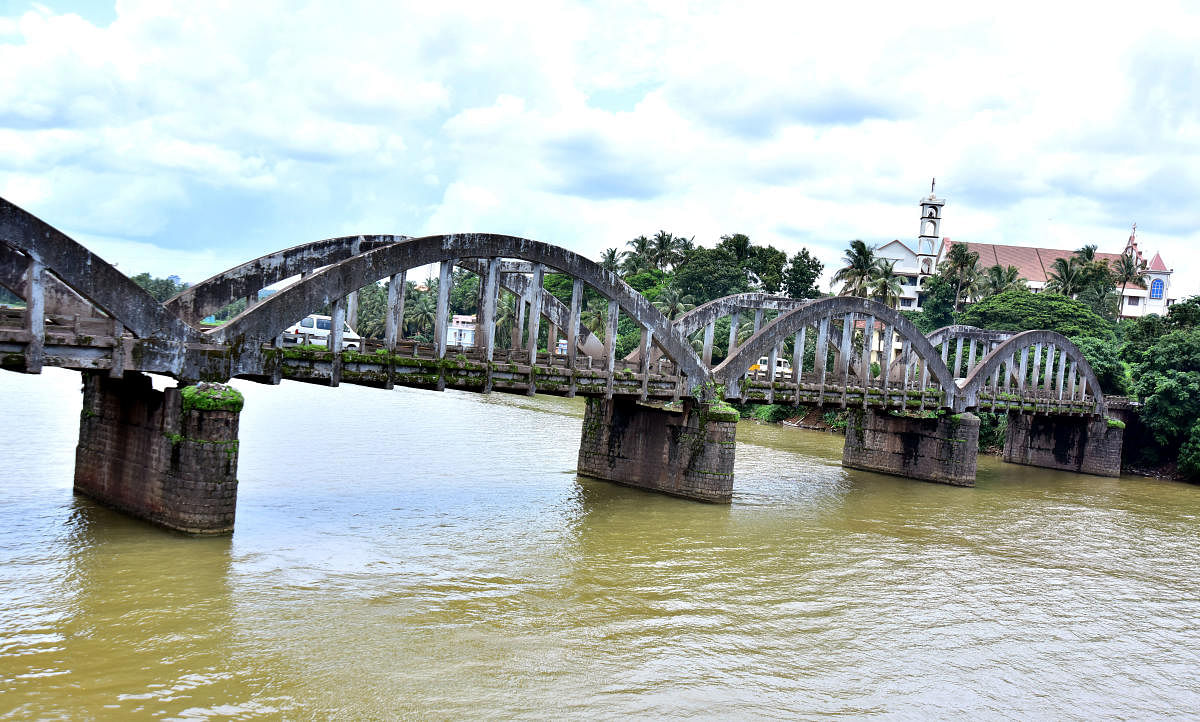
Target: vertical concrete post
709 330
487 321
522 300
734 318
535 318
35 315
352 311
644 360
822 355
758 317
445 278
335 341
845 352
394 318
798 360
573 332
958 358
610 346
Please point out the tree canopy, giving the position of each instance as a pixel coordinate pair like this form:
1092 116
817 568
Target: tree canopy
1018 309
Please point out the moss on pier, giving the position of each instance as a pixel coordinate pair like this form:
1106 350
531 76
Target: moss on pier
206 396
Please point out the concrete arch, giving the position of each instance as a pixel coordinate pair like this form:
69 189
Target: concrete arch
194 303
705 313
91 277
271 316
761 343
979 376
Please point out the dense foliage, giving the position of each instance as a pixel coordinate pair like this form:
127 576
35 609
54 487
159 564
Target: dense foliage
1020 310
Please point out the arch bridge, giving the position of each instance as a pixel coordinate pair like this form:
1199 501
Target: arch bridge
847 353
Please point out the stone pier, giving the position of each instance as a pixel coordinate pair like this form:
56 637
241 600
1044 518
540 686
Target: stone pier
687 452
1088 445
942 449
158 456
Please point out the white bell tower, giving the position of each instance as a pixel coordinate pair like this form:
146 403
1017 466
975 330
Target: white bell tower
931 226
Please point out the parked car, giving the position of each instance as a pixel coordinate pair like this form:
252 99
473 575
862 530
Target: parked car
783 367
315 328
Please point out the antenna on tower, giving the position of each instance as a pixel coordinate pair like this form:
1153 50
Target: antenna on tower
932 183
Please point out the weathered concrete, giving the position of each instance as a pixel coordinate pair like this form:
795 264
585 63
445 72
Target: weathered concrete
942 449
1088 445
141 452
683 453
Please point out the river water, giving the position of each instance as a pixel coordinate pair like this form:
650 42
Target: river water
415 554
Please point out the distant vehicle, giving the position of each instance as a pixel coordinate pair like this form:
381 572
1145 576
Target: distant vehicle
561 348
315 328
783 367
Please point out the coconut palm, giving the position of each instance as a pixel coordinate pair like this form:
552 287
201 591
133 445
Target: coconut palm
998 279
595 317
610 260
860 267
506 317
421 314
672 303
885 285
961 267
638 257
1127 270
1065 277
666 251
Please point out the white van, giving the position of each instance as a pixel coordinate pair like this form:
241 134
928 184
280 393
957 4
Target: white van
783 367
315 328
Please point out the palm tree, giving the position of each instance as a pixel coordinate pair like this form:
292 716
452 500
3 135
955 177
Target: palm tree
595 317
1127 270
506 316
666 251
1087 254
998 279
885 285
860 267
960 266
637 259
1065 277
672 303
421 314
610 260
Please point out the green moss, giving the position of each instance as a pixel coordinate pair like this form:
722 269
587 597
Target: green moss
211 397
1115 423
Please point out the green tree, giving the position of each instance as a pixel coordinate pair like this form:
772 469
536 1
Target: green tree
961 268
161 288
638 257
1020 310
885 286
1065 277
738 245
709 273
610 260
800 279
1167 380
937 305
860 267
372 307
998 279
1105 359
672 303
420 313
766 264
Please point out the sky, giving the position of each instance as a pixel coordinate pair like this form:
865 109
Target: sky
185 138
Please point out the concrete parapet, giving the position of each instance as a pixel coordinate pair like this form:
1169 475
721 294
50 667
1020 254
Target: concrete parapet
140 451
1089 445
686 453
942 449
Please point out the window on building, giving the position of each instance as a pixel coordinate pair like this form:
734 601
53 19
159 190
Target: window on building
906 303
1156 288
1133 300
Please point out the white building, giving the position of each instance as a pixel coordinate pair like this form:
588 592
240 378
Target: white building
461 331
916 265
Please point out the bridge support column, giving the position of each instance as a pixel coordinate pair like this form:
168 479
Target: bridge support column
1071 443
688 453
943 449
142 452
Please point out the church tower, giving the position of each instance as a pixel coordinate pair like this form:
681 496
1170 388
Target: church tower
931 225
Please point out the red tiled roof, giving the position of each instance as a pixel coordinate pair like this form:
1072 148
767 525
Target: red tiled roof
1033 264
1156 263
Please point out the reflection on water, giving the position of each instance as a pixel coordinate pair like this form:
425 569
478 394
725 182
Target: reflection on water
421 554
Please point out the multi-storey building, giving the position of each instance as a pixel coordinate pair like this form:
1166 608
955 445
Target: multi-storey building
915 265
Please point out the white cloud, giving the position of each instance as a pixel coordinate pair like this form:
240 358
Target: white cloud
232 129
